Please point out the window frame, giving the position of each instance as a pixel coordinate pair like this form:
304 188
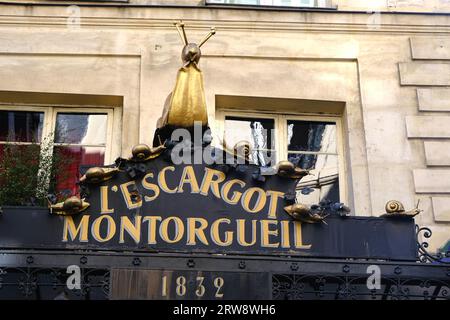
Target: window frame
281 135
109 127
49 123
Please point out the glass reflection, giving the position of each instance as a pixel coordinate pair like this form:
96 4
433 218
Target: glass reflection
21 126
313 145
323 183
312 136
81 128
258 132
70 160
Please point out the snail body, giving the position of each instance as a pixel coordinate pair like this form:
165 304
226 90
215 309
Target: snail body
70 206
288 170
395 209
143 152
303 213
97 175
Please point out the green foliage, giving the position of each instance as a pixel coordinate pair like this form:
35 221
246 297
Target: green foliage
28 172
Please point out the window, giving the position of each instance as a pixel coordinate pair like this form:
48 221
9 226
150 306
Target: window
278 3
258 131
310 142
81 136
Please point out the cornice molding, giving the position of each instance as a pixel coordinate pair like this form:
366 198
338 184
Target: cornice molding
236 25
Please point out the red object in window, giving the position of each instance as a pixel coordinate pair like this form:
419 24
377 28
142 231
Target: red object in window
69 159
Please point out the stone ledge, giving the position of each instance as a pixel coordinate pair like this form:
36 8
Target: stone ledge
428 126
424 74
437 153
430 48
435 99
441 209
432 181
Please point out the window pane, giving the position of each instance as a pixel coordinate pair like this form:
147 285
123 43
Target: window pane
323 183
81 128
311 136
21 126
68 162
257 131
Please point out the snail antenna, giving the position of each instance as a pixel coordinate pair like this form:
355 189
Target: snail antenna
209 35
181 32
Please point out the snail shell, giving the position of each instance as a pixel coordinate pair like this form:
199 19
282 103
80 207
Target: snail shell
70 206
394 206
95 174
242 148
286 167
141 151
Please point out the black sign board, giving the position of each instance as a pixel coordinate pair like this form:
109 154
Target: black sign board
204 208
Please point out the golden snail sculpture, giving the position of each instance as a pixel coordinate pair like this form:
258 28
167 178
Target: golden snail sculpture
302 212
97 175
289 170
143 152
242 149
69 207
395 209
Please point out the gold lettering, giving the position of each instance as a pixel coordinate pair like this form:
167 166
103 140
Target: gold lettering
151 227
215 233
70 229
134 230
110 230
150 186
285 241
298 236
104 200
274 196
236 194
196 232
188 176
266 233
241 233
260 202
179 229
209 182
127 196
162 180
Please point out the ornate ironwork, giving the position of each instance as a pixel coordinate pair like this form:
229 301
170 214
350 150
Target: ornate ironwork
424 255
323 287
50 284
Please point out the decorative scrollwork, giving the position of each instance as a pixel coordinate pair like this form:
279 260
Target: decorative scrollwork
423 255
50 283
313 287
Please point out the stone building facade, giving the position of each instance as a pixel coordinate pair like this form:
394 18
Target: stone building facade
382 71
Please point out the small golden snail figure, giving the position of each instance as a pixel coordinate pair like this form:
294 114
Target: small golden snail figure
143 152
242 149
395 209
69 207
97 175
302 212
289 170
